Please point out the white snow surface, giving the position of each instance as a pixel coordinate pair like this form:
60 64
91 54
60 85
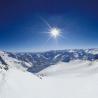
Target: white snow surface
92 51
77 79
74 67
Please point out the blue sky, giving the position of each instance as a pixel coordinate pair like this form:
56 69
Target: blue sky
22 27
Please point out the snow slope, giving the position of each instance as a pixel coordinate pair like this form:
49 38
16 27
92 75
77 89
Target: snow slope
75 67
77 78
61 81
7 61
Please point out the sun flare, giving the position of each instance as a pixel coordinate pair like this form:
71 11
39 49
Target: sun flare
55 32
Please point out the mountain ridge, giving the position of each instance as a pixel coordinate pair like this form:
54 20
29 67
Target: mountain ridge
35 62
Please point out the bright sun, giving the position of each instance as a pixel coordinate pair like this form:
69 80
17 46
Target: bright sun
55 32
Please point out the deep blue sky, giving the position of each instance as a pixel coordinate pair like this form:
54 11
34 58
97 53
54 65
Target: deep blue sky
22 29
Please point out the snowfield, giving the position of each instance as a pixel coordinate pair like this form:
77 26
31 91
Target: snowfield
75 67
76 79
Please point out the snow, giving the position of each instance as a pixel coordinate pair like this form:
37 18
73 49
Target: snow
13 62
74 67
64 80
57 56
74 79
92 51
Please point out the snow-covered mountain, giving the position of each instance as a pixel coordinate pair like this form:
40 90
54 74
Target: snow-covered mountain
59 74
7 61
75 67
35 62
42 60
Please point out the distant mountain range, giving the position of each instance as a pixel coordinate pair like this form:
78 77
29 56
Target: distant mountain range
35 62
